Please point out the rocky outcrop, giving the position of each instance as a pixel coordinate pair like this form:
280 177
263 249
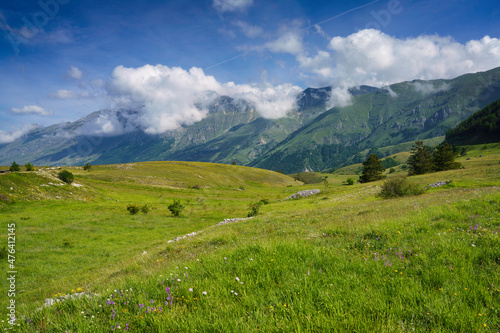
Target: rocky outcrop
302 194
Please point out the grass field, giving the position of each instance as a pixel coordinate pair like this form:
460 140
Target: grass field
343 260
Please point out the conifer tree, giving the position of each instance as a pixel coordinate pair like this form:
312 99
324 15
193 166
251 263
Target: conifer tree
444 158
421 160
372 169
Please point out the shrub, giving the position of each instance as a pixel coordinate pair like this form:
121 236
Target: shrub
351 181
392 170
87 167
66 176
176 207
29 166
264 201
254 209
14 167
399 187
133 209
146 208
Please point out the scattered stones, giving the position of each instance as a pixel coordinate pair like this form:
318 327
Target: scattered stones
302 194
438 184
226 221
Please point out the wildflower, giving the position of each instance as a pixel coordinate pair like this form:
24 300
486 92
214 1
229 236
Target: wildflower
179 280
152 301
237 279
141 305
191 289
204 293
236 294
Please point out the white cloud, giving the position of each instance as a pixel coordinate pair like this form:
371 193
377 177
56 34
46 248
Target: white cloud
429 88
169 97
8 137
32 109
251 31
69 94
232 5
374 58
287 42
75 73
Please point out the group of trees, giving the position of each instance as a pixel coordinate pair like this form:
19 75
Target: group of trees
422 160
16 167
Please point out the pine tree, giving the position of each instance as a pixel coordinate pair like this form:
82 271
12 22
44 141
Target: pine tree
420 161
372 170
444 158
14 167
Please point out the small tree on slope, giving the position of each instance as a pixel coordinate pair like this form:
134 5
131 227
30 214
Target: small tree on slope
372 169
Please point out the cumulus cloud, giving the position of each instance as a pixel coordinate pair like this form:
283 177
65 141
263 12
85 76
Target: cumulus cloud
374 58
75 73
32 109
8 137
232 5
169 97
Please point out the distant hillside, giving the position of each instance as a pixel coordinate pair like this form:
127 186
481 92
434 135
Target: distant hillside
482 127
310 137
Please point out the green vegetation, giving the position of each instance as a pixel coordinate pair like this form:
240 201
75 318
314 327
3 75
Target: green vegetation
351 181
133 209
176 207
29 167
420 161
66 176
399 187
15 167
372 169
481 127
344 260
444 158
87 167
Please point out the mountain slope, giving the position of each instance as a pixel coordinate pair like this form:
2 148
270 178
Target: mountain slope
311 137
482 127
387 116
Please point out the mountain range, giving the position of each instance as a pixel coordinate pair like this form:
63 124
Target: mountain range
311 137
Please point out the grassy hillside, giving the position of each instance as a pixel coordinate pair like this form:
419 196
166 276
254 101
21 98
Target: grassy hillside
341 260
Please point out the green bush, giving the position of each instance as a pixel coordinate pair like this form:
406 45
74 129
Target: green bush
399 187
145 209
87 167
351 181
29 166
133 209
15 167
264 201
66 176
254 209
176 207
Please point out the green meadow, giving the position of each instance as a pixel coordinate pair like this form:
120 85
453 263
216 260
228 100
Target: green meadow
343 260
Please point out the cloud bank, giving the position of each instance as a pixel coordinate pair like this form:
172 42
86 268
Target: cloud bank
170 97
8 137
371 57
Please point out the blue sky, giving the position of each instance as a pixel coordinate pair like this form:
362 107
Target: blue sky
63 59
